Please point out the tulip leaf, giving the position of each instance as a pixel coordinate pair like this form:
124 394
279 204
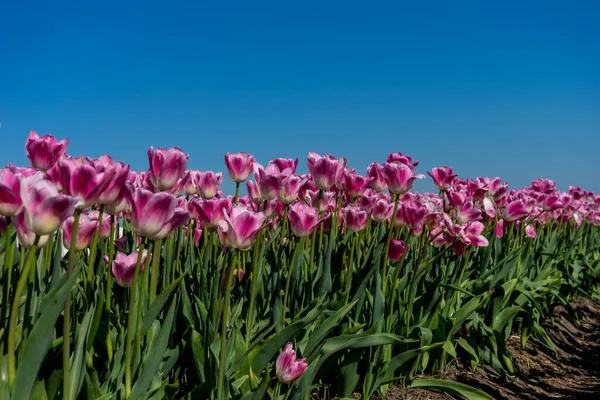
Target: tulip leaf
78 367
158 305
40 337
452 388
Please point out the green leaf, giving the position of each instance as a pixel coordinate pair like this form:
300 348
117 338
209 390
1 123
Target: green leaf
77 370
452 388
158 304
40 338
151 363
322 329
449 347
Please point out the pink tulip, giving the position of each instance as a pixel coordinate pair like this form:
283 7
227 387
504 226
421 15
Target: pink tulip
355 218
121 174
25 236
166 167
325 171
411 215
355 185
85 232
399 177
104 225
188 183
120 202
43 152
401 158
530 231
210 212
543 185
151 212
514 211
396 250
375 171
268 185
123 267
471 234
44 208
10 191
303 219
468 213
290 189
180 218
442 177
286 164
499 229
327 200
239 166
80 179
382 210
208 183
287 367
551 202
240 228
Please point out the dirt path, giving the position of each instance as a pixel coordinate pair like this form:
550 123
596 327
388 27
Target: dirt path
575 375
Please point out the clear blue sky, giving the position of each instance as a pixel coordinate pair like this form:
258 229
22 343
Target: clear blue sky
497 88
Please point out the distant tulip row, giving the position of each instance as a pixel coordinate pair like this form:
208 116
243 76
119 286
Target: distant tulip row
86 200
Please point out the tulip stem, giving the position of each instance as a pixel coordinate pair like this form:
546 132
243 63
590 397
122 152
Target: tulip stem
387 243
224 333
249 318
12 329
138 335
130 331
350 264
67 313
94 245
155 271
109 280
8 261
289 279
237 192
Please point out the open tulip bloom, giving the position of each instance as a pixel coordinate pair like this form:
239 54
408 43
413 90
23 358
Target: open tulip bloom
147 283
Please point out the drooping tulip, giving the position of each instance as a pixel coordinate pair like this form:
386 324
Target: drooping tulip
303 219
442 177
167 166
239 166
123 267
44 208
10 191
287 367
240 227
85 231
44 151
208 183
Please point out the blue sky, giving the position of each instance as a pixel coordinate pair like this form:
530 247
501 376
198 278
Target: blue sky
509 89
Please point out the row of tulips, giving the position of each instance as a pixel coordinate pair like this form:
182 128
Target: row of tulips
218 296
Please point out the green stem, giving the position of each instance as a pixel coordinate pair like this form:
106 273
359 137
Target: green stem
111 257
237 191
390 232
155 271
350 265
94 245
12 329
66 350
221 377
138 336
8 264
130 331
254 277
289 279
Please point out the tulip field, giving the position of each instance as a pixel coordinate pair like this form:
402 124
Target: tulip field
155 284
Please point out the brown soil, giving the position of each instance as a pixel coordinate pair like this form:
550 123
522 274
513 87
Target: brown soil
574 375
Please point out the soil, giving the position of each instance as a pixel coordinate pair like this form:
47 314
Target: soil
575 374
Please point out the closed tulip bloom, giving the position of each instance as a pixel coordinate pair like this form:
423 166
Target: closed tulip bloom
551 202
287 367
253 192
44 208
104 225
167 166
286 164
325 171
355 218
411 215
442 177
208 183
85 231
499 228
396 250
239 166
115 185
355 185
530 231
399 157
150 212
120 203
290 188
80 179
188 183
399 177
269 187
43 152
180 218
10 191
240 227
303 219
25 236
123 267
375 171
382 210
514 211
